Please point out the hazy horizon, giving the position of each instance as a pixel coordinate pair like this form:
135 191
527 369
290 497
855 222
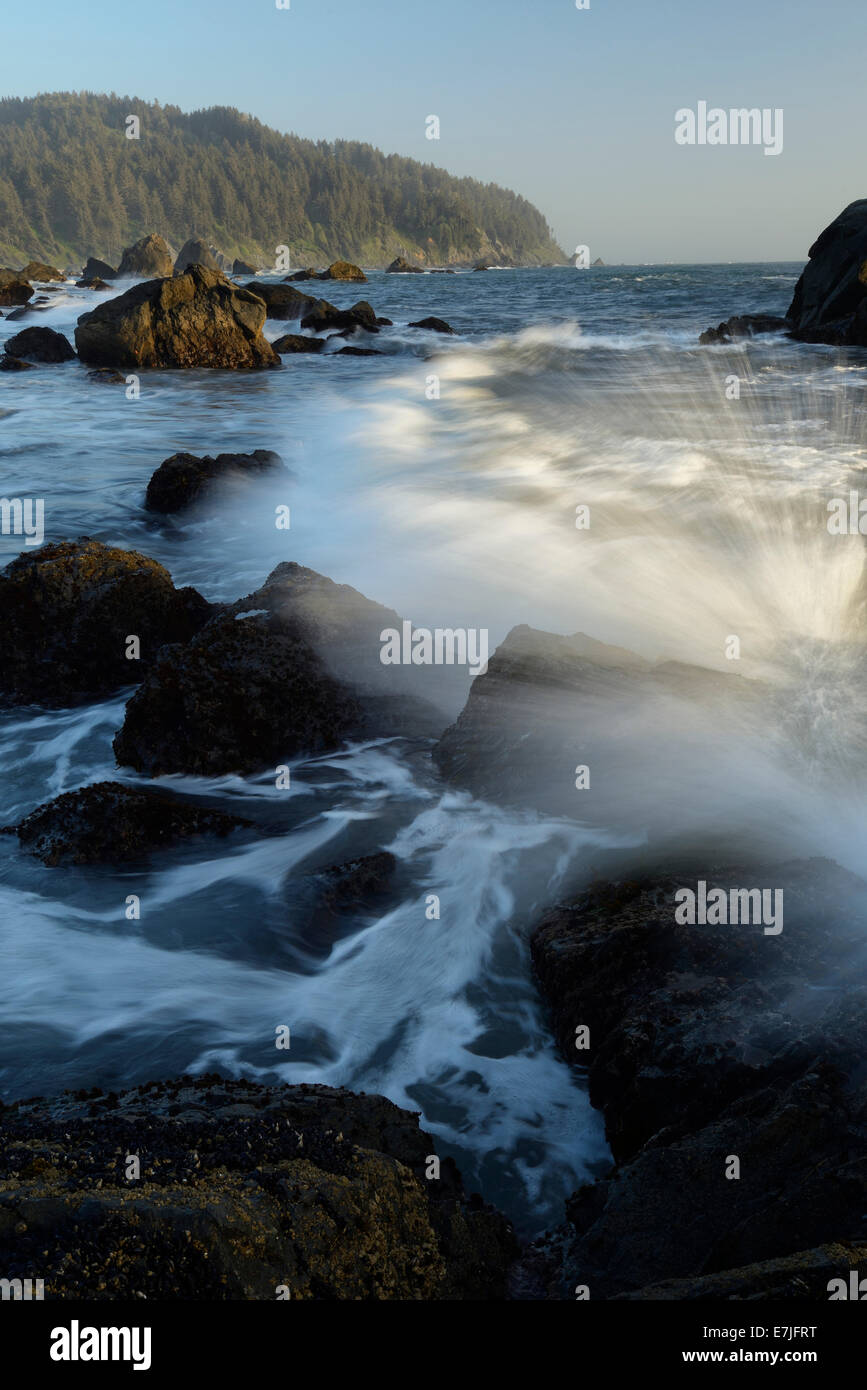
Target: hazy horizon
573 109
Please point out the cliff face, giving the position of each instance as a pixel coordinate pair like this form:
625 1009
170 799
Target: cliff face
72 185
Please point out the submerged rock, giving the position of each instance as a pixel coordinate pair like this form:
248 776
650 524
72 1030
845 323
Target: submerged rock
184 478
15 364
108 822
358 352
39 345
148 258
95 284
197 319
69 609
291 669
98 270
707 1042
744 326
352 885
434 325
246 1192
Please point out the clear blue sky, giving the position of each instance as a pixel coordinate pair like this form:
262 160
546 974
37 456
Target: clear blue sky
574 109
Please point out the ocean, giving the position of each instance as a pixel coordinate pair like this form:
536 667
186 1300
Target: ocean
441 479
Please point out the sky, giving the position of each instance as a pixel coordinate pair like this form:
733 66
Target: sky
573 108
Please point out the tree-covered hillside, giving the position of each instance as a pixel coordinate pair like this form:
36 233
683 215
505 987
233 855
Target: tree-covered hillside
72 184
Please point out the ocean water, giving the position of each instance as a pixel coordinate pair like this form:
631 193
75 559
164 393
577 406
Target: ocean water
441 479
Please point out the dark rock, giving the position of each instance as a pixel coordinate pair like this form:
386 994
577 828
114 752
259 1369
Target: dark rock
744 326
309 274
401 266
804 1275
297 342
324 316
358 352
354 884
98 270
483 265
197 319
107 375
68 611
343 270
281 301
243 268
40 345
41 273
148 258
110 823
384 323
96 284
195 252
549 704
184 479
15 292
14 364
434 325
244 1191
598 261
830 300
707 1042
23 312
293 668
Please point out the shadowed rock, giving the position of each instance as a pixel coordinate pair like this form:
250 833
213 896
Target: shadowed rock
15 291
434 325
110 823
296 342
68 611
197 319
42 273
830 300
98 270
324 316
184 478
744 326
292 669
244 1191
148 258
401 266
196 252
281 301
39 345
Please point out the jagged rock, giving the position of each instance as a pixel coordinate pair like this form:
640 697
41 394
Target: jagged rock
184 478
401 266
197 319
291 669
195 252
324 316
148 258
107 822
310 273
343 270
15 364
41 272
68 611
297 342
352 885
434 325
39 345
98 270
243 268
15 292
706 1042
598 261
96 284
744 326
244 1191
281 301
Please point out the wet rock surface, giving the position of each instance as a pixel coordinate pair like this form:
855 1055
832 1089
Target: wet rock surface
184 479
69 609
709 1043
243 1190
39 345
108 822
